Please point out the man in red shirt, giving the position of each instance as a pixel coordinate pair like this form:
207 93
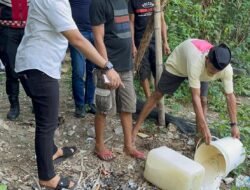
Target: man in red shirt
13 16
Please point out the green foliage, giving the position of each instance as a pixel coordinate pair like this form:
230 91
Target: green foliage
139 92
3 187
182 94
239 188
223 21
149 127
1 77
242 85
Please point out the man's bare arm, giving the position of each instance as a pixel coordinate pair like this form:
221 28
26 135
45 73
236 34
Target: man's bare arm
231 105
99 32
84 46
164 29
76 39
200 118
132 28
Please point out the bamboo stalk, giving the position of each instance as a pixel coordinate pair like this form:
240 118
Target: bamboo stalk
144 45
158 55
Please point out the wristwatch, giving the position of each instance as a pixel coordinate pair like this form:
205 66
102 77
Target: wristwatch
233 124
108 66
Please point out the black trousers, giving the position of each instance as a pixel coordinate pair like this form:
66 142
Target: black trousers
10 38
44 93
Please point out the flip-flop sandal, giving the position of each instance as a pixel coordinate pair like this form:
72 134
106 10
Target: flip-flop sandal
64 184
105 155
137 154
67 152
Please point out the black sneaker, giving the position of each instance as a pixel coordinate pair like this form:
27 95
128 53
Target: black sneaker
80 112
91 108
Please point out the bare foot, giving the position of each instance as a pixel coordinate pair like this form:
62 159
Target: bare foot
133 152
104 154
58 154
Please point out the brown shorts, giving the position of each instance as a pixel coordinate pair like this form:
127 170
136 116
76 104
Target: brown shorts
118 100
169 83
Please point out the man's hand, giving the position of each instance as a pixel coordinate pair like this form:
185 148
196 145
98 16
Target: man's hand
206 134
114 78
235 132
134 51
166 48
200 118
204 130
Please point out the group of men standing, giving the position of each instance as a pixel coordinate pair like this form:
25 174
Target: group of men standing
115 27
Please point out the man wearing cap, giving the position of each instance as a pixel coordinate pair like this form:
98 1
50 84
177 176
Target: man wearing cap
198 61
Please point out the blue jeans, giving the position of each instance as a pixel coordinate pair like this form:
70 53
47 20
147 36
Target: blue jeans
82 75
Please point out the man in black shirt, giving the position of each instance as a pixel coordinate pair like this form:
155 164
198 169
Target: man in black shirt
111 29
139 12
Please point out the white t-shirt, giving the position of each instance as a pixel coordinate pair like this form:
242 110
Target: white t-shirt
188 60
43 47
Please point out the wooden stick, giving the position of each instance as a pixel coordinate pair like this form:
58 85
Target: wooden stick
106 140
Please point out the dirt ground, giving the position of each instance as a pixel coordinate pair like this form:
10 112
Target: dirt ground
17 157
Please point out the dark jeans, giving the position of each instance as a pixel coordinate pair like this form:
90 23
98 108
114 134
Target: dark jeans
82 75
9 42
44 93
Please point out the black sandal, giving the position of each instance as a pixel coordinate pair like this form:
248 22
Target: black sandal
64 184
67 152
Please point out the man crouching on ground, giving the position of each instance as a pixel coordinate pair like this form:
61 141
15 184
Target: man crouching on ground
198 61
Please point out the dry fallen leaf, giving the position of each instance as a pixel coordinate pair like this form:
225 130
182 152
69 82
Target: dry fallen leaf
142 135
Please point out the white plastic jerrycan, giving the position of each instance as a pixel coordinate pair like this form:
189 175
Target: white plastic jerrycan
219 158
170 170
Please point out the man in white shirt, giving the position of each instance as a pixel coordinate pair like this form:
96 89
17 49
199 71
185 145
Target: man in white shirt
197 60
38 63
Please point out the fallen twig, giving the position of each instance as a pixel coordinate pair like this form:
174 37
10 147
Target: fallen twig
81 174
105 141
